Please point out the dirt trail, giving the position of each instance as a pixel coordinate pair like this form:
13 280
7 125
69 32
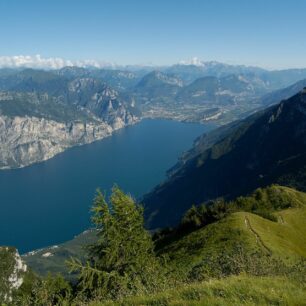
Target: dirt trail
258 239
281 219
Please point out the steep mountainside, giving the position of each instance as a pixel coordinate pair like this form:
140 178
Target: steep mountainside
27 140
268 147
282 94
111 99
42 113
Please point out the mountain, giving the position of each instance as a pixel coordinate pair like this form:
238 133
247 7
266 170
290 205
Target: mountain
71 86
118 79
275 79
157 86
95 102
267 147
42 113
282 94
193 70
224 99
231 89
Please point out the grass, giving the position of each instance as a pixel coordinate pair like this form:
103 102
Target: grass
208 241
283 240
242 259
234 290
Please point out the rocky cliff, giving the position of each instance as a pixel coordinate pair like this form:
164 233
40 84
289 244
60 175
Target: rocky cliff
27 140
12 271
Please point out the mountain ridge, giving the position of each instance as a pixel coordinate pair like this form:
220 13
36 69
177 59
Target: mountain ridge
265 148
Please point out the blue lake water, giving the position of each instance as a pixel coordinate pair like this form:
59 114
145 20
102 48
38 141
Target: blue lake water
48 203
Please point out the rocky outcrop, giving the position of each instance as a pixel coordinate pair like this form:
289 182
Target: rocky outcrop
12 271
27 140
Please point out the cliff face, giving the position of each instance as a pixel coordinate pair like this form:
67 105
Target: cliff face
12 271
42 113
27 140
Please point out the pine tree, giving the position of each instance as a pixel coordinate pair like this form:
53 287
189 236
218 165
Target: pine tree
122 262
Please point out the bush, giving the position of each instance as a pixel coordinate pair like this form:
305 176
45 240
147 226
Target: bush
52 290
237 261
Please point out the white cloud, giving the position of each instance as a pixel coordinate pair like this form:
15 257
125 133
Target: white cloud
194 61
37 61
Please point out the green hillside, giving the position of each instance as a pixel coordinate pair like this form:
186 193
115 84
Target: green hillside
249 251
231 291
253 234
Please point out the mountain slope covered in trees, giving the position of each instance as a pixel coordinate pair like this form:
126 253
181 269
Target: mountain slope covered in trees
267 147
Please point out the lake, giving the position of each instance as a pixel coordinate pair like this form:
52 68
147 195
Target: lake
48 203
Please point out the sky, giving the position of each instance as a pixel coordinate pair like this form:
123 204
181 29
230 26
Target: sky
266 33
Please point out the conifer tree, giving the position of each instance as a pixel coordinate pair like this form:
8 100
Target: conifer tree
122 262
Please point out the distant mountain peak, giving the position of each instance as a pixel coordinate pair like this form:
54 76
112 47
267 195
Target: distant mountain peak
162 77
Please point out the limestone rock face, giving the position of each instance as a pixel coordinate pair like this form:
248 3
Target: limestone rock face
12 271
27 140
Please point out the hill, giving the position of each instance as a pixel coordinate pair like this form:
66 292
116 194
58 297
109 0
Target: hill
242 235
248 243
187 247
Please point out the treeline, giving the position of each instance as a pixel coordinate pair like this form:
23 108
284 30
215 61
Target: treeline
263 202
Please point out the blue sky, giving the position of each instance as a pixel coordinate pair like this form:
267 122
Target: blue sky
267 33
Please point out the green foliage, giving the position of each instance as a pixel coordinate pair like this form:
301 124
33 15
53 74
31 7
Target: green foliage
214 241
49 291
205 214
7 263
122 262
234 290
42 106
238 260
263 202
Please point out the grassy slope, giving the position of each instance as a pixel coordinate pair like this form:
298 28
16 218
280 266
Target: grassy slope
235 290
208 241
284 239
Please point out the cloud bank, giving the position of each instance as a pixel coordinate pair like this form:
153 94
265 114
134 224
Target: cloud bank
37 61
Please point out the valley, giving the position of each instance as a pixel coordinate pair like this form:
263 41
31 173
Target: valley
75 106
153 153
214 214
